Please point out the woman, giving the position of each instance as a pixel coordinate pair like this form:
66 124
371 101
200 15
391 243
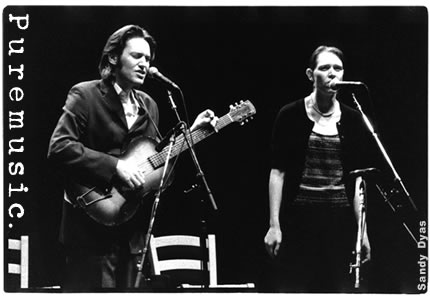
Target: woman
316 141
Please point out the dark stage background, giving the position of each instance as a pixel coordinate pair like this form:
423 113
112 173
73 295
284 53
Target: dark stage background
220 55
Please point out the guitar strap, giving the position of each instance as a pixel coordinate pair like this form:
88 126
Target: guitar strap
84 200
142 105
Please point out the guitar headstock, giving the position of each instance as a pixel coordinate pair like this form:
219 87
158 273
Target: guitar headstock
242 112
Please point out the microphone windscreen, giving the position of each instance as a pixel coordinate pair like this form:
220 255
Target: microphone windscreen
152 71
333 84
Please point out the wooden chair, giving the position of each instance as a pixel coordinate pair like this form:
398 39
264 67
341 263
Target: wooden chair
190 265
182 258
21 268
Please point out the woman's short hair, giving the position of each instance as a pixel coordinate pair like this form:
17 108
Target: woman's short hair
324 48
116 44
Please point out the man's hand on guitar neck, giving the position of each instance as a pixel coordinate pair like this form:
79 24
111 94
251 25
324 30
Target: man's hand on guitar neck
204 118
130 174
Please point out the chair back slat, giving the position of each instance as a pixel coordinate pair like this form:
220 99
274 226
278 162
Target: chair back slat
160 246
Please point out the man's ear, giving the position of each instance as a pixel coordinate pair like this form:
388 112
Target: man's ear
310 74
113 59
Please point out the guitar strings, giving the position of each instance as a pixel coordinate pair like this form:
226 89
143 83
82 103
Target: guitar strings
156 160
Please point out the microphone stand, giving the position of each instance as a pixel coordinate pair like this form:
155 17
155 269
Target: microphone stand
153 214
397 178
187 133
360 195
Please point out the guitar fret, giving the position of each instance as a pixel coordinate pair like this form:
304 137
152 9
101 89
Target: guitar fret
152 161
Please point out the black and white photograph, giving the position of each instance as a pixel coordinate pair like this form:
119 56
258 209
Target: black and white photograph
215 148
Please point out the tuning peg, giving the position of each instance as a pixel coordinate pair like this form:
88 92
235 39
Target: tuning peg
242 123
231 106
241 101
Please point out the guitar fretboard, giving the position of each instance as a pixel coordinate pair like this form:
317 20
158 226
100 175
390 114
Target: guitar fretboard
157 160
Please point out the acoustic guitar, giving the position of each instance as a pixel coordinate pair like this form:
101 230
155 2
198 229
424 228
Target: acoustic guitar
118 203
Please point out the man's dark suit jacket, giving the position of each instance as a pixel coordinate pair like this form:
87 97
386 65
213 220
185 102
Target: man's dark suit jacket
85 145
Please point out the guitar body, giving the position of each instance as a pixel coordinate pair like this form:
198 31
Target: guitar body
116 205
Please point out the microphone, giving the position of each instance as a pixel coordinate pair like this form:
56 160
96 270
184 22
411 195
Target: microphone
173 132
337 84
154 73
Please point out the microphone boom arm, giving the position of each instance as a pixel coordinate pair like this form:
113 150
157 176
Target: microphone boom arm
188 139
387 159
384 152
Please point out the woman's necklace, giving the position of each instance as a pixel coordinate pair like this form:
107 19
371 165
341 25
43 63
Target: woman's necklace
315 107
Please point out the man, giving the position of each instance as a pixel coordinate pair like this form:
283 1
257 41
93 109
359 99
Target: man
316 142
99 119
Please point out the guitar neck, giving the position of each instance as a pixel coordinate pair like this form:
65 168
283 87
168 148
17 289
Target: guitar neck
157 160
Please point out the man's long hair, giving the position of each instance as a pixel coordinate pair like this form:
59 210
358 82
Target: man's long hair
116 44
